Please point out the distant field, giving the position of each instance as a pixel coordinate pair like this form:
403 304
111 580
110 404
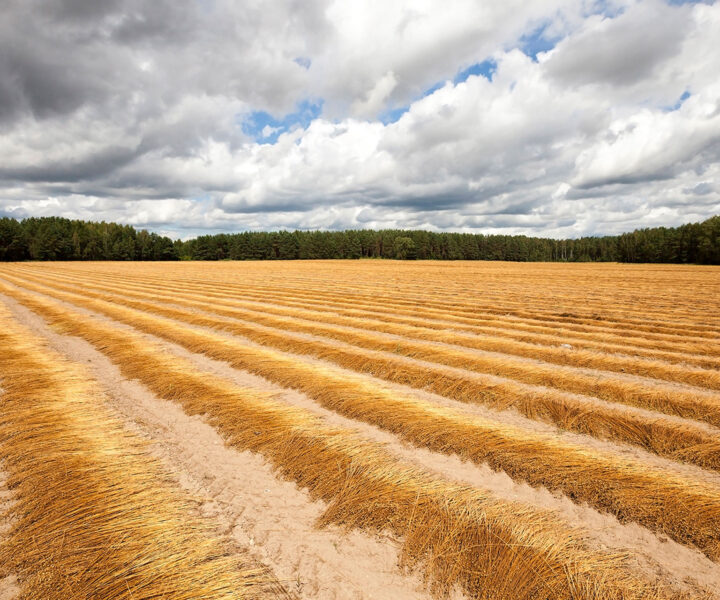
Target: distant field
359 429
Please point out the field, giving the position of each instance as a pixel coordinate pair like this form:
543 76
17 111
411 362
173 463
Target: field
359 429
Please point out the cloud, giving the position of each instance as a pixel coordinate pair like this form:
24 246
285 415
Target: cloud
551 118
376 98
624 50
701 189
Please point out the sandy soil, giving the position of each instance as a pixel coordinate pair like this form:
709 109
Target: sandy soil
657 553
508 417
276 519
646 381
9 589
271 518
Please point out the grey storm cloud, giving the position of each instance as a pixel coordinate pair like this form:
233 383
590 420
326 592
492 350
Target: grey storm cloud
191 115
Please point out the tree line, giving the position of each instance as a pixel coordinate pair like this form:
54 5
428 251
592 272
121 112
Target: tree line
56 238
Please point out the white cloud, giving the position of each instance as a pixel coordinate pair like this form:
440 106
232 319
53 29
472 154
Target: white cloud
268 131
148 130
375 99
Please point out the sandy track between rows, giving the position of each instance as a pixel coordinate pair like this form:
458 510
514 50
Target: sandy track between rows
9 589
520 361
276 519
486 378
509 417
238 490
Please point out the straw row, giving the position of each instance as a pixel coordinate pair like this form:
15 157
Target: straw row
575 358
460 535
687 403
679 349
642 317
688 343
458 287
548 337
93 516
395 301
653 294
682 441
470 308
686 510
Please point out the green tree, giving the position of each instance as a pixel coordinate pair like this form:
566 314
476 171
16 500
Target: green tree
405 248
13 245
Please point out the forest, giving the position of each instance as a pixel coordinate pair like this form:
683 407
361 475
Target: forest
56 238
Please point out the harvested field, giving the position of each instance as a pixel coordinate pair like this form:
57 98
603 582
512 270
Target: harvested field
416 430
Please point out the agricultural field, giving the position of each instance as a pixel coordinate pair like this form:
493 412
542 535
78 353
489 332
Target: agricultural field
359 429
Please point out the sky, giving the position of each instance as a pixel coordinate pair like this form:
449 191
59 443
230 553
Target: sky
554 118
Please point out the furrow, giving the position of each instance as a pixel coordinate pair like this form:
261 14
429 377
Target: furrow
497 324
687 511
557 355
460 535
681 441
93 515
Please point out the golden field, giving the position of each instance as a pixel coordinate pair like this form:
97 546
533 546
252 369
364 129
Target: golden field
359 429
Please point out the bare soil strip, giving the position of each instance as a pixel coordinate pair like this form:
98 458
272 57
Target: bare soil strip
113 525
688 402
9 589
366 475
405 414
663 436
272 518
270 515
509 418
311 321
686 510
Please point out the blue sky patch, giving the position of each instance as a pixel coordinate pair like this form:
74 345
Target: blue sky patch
485 68
685 95
433 88
537 41
266 129
393 115
602 7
